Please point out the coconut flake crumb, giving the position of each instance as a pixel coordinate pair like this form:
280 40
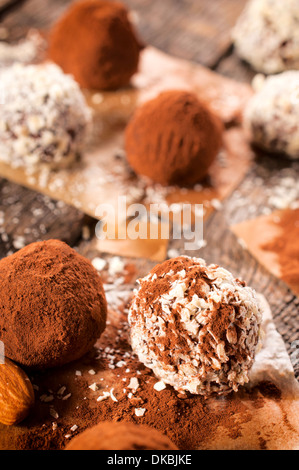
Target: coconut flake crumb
116 265
134 384
140 411
104 396
93 387
54 413
66 397
159 386
112 395
98 263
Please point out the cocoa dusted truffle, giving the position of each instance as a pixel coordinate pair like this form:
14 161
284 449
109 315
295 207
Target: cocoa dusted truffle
53 306
173 139
272 114
96 43
44 119
121 436
195 326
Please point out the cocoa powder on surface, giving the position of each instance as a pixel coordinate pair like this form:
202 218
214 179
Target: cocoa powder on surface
286 246
64 399
189 421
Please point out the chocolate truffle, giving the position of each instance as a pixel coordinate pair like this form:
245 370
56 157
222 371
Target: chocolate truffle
173 139
267 35
195 326
52 303
44 118
272 114
96 43
121 436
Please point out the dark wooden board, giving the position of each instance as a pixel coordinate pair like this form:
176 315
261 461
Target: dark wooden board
26 216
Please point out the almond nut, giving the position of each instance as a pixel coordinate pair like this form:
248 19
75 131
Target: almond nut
16 393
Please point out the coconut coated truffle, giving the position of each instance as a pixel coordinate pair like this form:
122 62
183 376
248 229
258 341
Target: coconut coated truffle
44 118
173 139
121 436
272 114
195 326
52 303
267 35
96 43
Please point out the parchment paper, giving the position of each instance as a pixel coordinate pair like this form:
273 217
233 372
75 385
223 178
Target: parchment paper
257 232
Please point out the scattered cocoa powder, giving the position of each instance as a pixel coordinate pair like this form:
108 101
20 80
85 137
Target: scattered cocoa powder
286 246
188 420
173 139
95 42
65 405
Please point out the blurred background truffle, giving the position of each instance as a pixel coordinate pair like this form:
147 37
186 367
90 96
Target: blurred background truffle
96 43
121 436
44 119
173 139
267 35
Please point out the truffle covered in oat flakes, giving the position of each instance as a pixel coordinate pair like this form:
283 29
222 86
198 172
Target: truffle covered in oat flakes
195 326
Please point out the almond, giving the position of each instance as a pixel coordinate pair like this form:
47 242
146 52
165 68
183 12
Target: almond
16 393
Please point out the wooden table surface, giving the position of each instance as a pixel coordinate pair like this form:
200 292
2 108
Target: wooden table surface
198 30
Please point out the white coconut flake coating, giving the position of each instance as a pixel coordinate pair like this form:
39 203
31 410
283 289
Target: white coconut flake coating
267 35
272 114
195 326
44 117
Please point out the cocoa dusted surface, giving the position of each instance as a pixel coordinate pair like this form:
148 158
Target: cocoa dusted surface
25 213
64 401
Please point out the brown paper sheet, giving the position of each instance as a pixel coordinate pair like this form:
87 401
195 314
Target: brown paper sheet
258 232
